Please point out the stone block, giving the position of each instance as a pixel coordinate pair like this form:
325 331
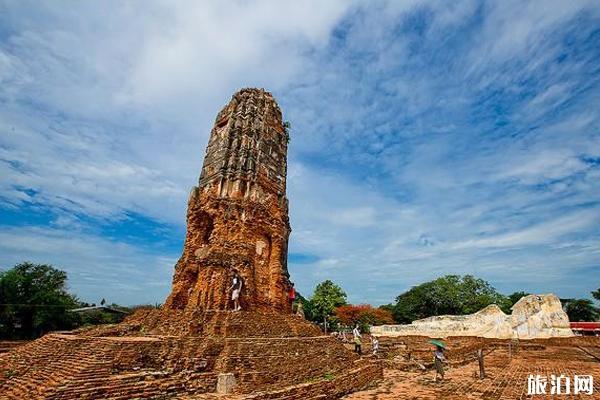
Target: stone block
225 383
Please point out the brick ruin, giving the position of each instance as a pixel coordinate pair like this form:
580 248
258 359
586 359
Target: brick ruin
238 215
237 218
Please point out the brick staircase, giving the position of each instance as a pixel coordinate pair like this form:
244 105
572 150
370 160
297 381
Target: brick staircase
73 367
38 368
361 374
256 324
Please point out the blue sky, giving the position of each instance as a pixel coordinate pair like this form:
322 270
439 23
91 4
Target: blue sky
428 138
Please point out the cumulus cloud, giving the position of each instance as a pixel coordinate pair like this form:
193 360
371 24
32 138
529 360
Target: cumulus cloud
427 137
123 97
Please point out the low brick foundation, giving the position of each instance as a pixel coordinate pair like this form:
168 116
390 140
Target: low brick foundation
84 366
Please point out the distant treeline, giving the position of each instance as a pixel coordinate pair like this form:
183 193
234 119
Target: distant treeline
447 295
34 300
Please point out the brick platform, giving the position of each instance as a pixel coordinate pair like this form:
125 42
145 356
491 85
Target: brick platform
209 323
131 361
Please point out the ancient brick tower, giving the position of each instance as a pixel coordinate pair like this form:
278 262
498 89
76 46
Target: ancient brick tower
237 217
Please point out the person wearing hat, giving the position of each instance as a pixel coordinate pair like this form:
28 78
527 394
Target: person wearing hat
438 360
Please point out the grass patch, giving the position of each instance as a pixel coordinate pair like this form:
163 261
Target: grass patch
9 373
328 376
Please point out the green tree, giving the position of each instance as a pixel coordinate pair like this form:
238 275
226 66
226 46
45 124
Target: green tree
581 310
34 300
286 129
325 299
516 296
596 294
450 294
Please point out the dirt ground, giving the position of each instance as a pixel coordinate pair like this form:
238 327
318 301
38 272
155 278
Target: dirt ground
506 376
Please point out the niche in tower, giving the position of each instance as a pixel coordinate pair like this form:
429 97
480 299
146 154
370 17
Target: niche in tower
201 225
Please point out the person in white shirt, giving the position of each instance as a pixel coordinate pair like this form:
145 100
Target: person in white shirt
375 344
236 288
357 340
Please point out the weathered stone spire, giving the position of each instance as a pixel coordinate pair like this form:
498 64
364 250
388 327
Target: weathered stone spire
238 216
247 150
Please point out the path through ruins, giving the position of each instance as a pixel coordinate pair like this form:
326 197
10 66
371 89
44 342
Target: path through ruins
506 376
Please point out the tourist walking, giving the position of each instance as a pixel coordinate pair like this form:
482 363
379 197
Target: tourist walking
438 360
357 340
375 344
236 288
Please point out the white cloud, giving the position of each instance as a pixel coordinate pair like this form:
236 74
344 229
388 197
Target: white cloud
398 171
97 268
543 233
358 217
549 164
512 29
124 97
211 47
